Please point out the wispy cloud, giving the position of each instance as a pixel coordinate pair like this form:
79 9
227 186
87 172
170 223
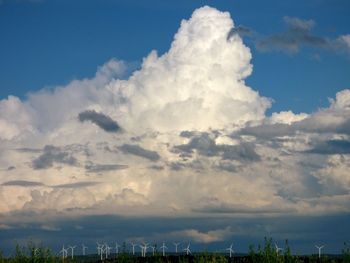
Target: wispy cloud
22 183
31 184
29 150
77 184
139 151
223 208
242 31
298 33
98 168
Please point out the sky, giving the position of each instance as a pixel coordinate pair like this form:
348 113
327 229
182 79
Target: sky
207 122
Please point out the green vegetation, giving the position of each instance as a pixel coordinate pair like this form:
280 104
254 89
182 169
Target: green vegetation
346 254
265 253
30 254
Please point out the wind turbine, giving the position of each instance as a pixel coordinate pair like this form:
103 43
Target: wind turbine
163 247
153 249
72 249
107 250
319 250
145 245
142 251
83 248
133 248
277 249
64 252
176 245
187 249
100 250
231 250
35 252
117 248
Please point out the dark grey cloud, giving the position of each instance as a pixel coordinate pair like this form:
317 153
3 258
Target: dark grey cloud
239 30
139 151
51 155
311 124
268 131
205 145
230 209
331 147
228 167
187 134
101 120
195 165
22 183
78 148
177 166
76 185
344 128
314 125
157 167
243 152
28 150
298 33
97 168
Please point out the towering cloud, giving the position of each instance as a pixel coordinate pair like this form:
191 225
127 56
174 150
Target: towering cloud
198 84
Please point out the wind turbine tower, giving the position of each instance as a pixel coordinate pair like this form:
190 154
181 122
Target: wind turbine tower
133 248
187 249
145 246
117 248
107 250
153 249
319 250
176 245
100 250
163 247
231 250
142 250
277 249
64 253
72 250
83 247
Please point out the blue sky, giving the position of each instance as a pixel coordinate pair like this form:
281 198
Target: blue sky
119 122
49 43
